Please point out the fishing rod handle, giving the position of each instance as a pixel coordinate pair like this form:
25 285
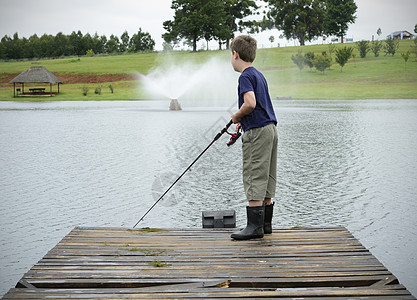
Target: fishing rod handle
223 130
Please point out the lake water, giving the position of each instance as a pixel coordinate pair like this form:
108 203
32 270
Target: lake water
67 164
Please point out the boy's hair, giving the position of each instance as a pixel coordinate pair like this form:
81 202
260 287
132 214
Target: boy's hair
245 46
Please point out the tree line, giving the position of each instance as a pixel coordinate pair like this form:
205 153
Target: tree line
304 20
196 20
74 44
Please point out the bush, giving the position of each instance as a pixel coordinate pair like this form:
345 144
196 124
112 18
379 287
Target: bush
98 90
322 62
298 59
85 90
90 52
376 46
343 55
363 47
111 88
332 48
309 58
391 46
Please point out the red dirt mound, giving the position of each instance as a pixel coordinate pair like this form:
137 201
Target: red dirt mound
78 78
92 78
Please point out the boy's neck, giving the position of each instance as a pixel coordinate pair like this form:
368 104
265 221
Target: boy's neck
245 66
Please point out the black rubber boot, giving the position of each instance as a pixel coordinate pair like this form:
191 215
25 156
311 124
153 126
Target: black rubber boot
255 224
269 212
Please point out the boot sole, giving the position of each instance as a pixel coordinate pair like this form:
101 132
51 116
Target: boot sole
246 237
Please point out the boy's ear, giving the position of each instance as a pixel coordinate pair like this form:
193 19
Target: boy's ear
235 54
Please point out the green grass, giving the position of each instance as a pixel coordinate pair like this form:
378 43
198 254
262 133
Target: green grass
368 78
362 78
159 264
118 64
123 90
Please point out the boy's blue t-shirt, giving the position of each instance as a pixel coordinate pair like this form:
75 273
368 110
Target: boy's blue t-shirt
263 114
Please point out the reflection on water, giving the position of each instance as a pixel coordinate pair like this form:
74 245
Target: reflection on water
66 164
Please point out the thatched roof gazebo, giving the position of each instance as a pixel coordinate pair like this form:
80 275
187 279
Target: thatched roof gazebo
36 74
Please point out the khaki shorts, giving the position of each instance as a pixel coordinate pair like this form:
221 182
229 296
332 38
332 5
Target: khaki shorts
259 147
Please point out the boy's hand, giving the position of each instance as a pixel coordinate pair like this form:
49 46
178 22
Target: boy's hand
236 119
238 127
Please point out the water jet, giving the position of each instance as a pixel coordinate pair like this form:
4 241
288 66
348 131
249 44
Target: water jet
211 83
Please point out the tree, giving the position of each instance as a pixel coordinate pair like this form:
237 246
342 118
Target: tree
415 28
405 56
18 47
61 45
363 47
86 43
125 41
322 62
112 44
271 39
309 59
298 59
379 32
391 46
414 47
207 19
339 14
332 48
46 45
98 43
35 47
141 41
75 42
214 20
237 11
298 19
187 24
102 44
343 55
376 46
2 51
5 41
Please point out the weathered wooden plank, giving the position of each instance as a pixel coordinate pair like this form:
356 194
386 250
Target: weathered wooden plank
181 273
237 281
207 293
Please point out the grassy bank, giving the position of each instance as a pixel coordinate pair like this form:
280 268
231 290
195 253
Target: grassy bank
368 78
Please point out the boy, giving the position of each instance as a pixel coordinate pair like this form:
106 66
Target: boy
259 142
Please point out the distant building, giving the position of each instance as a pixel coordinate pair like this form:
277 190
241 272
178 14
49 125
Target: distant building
401 35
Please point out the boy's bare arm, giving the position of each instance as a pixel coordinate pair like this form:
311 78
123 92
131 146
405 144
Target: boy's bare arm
247 107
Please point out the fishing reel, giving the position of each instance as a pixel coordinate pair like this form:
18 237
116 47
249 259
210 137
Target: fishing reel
233 137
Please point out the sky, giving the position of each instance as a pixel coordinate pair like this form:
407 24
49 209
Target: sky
27 17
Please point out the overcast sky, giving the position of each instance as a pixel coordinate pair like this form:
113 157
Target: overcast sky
27 17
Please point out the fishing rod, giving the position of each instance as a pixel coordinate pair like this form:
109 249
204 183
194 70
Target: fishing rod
233 139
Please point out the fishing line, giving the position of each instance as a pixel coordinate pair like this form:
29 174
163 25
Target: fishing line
234 137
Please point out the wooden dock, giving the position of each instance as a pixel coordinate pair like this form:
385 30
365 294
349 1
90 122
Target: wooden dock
119 263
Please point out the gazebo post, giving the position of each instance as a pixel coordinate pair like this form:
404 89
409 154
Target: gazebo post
50 89
14 89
